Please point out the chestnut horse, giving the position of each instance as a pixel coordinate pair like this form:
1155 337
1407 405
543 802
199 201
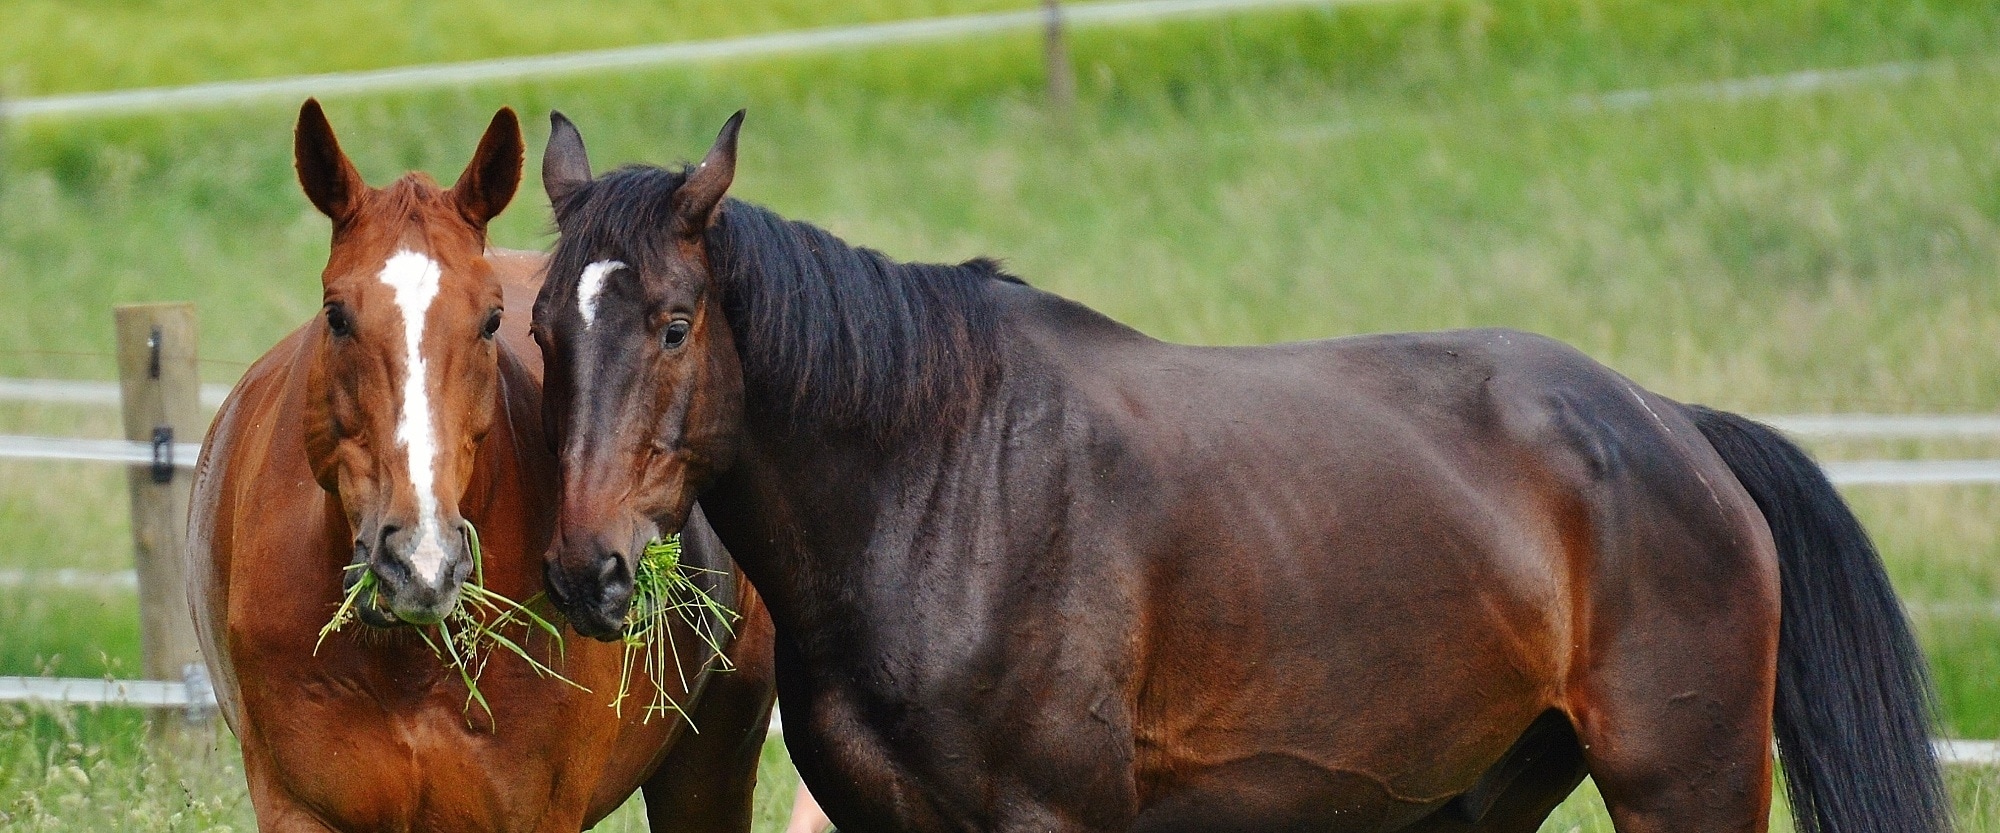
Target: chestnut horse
368 437
1032 570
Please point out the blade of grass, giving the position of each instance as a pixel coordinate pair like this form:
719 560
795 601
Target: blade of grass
664 590
473 628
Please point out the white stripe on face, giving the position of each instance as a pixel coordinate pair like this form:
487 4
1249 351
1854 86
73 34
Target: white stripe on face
592 284
414 277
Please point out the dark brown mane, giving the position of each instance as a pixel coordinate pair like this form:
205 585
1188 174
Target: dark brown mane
838 339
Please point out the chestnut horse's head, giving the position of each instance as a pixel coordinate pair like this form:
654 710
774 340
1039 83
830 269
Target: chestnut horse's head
635 319
405 361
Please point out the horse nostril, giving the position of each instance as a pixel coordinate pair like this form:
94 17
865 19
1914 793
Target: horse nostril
552 580
613 580
392 571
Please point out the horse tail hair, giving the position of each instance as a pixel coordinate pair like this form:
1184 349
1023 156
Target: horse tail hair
1854 701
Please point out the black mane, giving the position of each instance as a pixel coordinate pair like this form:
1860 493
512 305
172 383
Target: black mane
834 338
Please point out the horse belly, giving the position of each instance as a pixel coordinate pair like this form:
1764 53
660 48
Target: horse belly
1339 784
1279 793
1363 701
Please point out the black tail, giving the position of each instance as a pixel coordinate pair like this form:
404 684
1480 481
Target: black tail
1854 696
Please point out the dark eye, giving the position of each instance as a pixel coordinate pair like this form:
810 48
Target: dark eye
676 334
338 321
492 325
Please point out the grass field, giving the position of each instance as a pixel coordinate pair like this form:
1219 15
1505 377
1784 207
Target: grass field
66 46
1269 176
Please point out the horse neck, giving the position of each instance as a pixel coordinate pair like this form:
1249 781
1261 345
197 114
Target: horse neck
841 534
797 513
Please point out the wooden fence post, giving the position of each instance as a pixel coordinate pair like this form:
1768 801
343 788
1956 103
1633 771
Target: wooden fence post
160 392
1055 58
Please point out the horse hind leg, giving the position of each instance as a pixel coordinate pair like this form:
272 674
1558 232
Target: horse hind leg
1675 719
1698 769
1518 794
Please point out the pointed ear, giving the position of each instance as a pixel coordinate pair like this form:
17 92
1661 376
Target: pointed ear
695 201
565 167
488 184
329 180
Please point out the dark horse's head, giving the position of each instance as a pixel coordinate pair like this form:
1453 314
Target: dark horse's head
632 319
404 361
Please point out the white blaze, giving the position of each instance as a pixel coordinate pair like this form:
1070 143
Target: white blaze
414 277
592 284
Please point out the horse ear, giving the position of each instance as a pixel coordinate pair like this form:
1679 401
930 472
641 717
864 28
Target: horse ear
329 180
565 166
488 184
696 199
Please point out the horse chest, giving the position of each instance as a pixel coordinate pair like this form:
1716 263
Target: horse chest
424 772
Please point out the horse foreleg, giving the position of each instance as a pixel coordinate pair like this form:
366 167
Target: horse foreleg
277 811
708 779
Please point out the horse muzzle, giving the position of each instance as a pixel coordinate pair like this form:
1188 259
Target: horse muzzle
418 573
592 585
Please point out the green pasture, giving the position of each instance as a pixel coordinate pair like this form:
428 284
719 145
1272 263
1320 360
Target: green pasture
69 46
1230 180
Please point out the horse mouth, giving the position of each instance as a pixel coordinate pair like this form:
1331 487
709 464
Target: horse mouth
372 609
594 621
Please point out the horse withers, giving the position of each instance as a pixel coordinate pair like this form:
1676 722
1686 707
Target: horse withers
1032 570
367 441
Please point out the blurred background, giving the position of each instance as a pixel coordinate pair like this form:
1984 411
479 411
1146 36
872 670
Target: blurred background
1779 207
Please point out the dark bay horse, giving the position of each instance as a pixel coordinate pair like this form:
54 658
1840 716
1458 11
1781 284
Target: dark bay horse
367 437
1032 570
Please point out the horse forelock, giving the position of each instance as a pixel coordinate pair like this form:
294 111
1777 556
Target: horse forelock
412 213
836 339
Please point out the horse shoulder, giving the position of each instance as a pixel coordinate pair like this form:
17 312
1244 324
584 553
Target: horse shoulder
228 481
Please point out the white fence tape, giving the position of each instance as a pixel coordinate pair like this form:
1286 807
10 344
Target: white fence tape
88 692
1751 88
1886 426
99 451
1913 472
636 57
1761 86
71 579
1843 473
1967 752
66 392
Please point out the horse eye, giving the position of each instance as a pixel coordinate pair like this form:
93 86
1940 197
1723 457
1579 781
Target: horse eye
492 325
675 335
338 322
